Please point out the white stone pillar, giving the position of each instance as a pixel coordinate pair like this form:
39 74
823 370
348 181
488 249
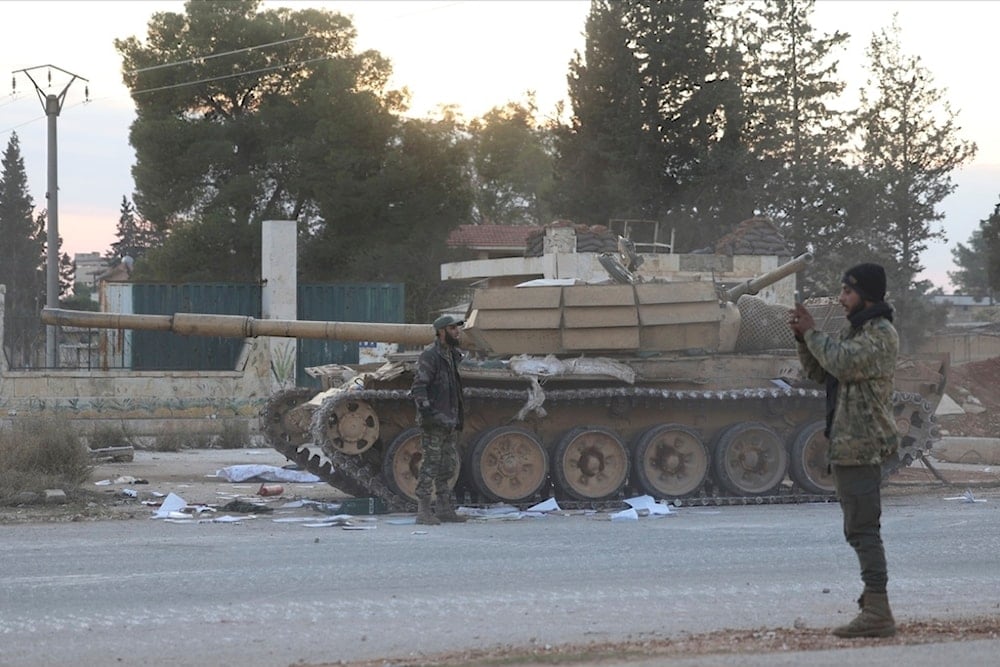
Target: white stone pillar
279 267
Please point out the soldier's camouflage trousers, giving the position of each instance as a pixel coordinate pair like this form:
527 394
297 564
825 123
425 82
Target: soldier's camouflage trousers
439 459
860 499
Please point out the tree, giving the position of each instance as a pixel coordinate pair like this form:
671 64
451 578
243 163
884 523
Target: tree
512 166
659 121
798 141
972 276
910 146
22 260
991 239
81 299
135 237
244 115
392 225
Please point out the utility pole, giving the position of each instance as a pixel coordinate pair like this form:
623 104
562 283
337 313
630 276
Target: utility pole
52 104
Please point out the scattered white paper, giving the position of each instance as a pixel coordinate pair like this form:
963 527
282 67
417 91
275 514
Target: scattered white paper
171 504
103 482
647 506
625 515
967 497
264 473
549 505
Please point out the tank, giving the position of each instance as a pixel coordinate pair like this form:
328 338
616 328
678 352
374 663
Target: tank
683 390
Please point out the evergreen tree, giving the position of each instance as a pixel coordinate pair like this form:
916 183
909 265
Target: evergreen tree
972 260
658 121
797 139
991 240
22 260
910 146
67 272
134 235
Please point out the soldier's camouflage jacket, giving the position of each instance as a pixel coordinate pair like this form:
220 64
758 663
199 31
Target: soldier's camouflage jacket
437 380
863 361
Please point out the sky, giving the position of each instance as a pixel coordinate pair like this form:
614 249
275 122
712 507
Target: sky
475 54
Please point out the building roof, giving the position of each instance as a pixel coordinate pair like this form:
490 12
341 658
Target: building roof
756 236
490 236
962 300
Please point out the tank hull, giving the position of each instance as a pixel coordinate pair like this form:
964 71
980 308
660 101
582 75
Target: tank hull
710 429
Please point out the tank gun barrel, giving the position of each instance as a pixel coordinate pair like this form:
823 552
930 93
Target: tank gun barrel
240 326
755 285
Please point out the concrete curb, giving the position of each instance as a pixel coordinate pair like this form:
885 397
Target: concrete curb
979 451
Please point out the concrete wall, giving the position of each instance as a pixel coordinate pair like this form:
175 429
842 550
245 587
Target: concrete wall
964 347
151 403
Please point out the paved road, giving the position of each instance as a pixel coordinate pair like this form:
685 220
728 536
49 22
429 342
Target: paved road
263 593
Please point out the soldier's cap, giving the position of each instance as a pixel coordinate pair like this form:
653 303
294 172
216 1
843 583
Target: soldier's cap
447 321
868 280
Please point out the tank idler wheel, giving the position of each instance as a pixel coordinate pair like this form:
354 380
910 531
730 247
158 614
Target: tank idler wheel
401 465
508 464
288 416
352 427
809 467
750 460
670 461
591 463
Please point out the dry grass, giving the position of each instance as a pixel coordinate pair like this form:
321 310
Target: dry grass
39 453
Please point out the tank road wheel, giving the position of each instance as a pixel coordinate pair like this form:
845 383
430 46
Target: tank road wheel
351 427
508 464
809 467
401 465
750 460
591 463
670 461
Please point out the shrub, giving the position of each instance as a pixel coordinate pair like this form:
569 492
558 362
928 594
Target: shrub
235 434
175 441
107 435
40 453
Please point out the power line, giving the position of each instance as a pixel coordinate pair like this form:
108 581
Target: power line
200 59
183 84
231 76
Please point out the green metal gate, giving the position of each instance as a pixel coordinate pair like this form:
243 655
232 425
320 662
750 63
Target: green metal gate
338 302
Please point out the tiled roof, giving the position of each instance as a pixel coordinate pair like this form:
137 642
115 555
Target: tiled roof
756 236
489 236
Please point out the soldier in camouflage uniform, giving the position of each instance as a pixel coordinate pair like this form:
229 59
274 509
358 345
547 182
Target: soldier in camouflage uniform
858 369
437 391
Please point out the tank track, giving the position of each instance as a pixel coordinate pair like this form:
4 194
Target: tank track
343 472
351 475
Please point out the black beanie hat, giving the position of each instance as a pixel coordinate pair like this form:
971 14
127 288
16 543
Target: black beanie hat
868 280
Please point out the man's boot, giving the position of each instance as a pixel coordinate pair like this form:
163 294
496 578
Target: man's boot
446 509
875 619
424 515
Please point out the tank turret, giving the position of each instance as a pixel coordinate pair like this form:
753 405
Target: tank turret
646 318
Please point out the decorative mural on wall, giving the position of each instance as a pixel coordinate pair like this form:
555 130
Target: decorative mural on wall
283 354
